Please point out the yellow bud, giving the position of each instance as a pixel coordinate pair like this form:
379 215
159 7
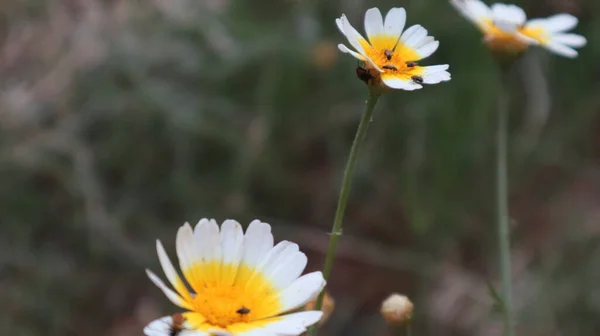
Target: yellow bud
397 309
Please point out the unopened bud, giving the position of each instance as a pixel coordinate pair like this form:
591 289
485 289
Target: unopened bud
397 309
327 308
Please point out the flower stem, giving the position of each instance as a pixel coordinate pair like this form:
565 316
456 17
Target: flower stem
336 231
502 205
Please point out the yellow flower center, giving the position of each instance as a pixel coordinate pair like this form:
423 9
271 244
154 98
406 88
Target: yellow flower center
226 295
393 57
502 41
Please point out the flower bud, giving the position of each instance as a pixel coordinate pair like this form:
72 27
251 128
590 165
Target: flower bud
397 309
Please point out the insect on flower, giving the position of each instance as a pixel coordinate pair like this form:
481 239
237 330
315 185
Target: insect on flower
241 283
177 325
173 325
243 311
391 53
363 74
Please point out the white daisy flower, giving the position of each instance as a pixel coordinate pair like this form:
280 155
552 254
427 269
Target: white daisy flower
241 284
390 56
506 28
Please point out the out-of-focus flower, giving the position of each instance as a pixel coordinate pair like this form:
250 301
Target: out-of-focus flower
327 308
390 57
324 55
397 309
241 284
507 30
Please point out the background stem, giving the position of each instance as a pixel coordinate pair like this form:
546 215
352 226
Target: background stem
503 219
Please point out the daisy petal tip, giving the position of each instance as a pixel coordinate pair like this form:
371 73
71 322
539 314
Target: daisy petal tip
232 223
321 281
571 55
311 317
570 40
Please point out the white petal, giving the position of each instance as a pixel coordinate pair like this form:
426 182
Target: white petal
373 23
571 40
268 263
171 295
436 77
294 324
508 13
416 38
411 31
338 23
162 327
207 240
425 41
353 38
436 74
186 253
302 291
232 246
159 327
256 332
394 22
191 333
286 267
345 49
479 9
506 26
352 35
561 49
219 333
556 23
428 49
397 83
473 9
170 271
428 70
258 241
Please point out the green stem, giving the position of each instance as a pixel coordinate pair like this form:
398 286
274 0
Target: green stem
502 206
408 330
336 231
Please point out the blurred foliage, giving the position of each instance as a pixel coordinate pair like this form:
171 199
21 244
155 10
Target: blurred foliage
120 120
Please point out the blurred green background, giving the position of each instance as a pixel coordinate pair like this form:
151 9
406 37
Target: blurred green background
120 120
